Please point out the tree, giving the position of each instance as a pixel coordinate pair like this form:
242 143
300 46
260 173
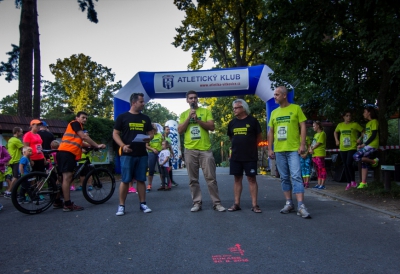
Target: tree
228 31
89 86
158 113
54 101
346 54
10 69
8 105
29 43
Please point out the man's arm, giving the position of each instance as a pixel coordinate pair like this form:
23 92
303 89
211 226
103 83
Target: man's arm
270 143
89 140
182 127
303 134
209 125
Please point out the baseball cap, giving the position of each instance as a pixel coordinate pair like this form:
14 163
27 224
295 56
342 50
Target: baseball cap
44 124
35 121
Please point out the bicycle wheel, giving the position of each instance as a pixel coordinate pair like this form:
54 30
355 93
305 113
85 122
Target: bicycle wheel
98 186
34 193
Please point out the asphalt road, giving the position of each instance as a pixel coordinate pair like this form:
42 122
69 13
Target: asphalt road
340 237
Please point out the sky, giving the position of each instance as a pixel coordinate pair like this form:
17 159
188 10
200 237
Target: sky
131 36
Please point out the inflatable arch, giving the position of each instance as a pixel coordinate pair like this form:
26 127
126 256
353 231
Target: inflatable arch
207 83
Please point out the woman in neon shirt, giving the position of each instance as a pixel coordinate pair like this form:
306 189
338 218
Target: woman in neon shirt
317 149
368 144
349 132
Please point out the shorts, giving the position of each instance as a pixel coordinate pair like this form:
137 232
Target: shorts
237 168
66 161
38 165
15 170
133 167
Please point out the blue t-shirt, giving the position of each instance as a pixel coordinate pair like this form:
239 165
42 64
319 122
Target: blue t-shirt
26 163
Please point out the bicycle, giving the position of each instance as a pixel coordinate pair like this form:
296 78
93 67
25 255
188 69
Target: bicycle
37 191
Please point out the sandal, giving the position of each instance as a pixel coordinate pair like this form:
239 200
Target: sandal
235 207
256 209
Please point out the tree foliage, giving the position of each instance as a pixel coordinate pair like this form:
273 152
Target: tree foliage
158 113
228 31
29 51
89 86
8 105
345 53
10 69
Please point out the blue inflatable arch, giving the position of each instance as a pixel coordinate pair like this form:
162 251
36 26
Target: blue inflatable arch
207 83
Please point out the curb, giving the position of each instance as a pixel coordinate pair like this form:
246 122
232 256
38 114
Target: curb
319 192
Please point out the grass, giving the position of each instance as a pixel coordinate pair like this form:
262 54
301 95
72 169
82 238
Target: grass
376 189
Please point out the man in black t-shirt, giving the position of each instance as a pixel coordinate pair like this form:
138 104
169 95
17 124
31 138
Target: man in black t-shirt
244 132
133 154
46 135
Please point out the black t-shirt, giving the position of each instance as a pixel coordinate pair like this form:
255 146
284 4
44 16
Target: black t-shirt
244 138
47 138
131 125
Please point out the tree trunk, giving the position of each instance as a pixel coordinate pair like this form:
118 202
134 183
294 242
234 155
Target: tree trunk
25 59
37 69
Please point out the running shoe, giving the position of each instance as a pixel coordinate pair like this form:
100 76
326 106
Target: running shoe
90 188
7 195
302 211
79 188
219 208
362 185
148 189
1 206
316 186
72 188
321 187
195 208
348 186
145 208
376 162
121 210
174 183
287 208
132 190
72 207
353 184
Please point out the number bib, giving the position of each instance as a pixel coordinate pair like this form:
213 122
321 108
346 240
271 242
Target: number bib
195 133
282 133
346 142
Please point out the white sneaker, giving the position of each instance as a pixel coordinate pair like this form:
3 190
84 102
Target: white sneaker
219 208
145 208
121 211
195 208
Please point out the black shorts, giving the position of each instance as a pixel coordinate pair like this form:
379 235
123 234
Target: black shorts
65 161
38 165
237 168
15 170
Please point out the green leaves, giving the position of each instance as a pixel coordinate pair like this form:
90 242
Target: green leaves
89 86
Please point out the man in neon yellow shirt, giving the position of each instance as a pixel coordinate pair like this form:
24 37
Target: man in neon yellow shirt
195 123
288 143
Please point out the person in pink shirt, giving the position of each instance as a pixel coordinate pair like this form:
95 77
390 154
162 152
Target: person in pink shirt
33 140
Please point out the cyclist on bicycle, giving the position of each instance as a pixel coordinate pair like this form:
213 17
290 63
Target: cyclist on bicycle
69 152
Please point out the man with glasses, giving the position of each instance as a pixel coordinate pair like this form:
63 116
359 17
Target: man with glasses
284 134
134 159
195 123
244 131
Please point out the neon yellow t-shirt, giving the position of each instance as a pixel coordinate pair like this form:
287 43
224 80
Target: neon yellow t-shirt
372 125
285 122
156 142
319 151
348 135
197 137
14 146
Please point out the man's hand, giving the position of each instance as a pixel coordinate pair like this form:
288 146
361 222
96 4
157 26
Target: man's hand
101 146
271 154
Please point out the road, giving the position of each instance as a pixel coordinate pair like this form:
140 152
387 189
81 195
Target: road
340 238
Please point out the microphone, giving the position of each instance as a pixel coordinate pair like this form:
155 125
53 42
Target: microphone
192 107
